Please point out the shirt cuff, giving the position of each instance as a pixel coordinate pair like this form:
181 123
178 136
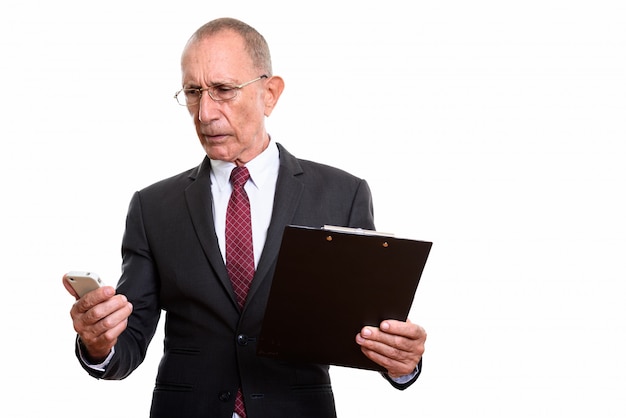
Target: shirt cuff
407 377
100 366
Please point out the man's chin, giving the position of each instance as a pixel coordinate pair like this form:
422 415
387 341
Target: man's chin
217 152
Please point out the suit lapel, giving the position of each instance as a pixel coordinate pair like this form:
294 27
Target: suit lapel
200 205
286 198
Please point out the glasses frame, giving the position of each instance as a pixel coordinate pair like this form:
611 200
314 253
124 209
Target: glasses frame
211 89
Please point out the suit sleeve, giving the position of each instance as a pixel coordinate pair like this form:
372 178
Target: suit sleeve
362 214
402 386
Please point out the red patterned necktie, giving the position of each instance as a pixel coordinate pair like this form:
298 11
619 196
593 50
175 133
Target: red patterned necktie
239 253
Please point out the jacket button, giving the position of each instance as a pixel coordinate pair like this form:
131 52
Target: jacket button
224 396
242 339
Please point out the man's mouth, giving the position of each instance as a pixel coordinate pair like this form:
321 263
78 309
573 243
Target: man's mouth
214 137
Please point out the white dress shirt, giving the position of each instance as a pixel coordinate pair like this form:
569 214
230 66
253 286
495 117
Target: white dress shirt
260 190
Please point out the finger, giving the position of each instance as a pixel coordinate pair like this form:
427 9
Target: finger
405 329
390 346
383 342
108 328
101 319
407 343
110 308
69 287
395 366
93 298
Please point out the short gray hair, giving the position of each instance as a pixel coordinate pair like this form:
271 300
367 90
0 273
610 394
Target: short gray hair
256 45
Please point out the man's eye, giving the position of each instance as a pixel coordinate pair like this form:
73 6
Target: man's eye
192 92
223 88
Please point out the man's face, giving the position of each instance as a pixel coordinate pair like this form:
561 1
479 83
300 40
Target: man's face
232 130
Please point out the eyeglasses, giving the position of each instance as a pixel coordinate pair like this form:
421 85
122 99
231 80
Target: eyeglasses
218 92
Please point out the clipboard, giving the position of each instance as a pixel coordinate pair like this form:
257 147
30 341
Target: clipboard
328 284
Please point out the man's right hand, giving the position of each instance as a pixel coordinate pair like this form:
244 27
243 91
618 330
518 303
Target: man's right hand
99 318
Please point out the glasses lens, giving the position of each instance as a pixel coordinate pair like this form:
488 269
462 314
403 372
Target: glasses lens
223 92
220 92
189 97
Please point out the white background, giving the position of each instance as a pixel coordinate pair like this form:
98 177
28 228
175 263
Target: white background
504 121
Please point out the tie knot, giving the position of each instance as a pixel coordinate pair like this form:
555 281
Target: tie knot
239 176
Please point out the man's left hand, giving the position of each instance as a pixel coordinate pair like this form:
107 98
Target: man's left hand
397 346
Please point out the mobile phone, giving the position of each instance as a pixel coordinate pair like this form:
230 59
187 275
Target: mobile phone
83 282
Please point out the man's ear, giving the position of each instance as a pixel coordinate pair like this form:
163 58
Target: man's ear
274 88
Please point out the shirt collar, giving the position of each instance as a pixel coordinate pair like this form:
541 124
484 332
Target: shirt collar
262 168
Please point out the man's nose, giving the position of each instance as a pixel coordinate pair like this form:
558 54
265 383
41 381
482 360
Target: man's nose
208 109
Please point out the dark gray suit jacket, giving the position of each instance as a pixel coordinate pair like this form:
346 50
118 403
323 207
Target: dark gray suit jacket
172 262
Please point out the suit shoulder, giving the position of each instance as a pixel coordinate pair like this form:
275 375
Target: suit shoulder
172 184
317 174
317 169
